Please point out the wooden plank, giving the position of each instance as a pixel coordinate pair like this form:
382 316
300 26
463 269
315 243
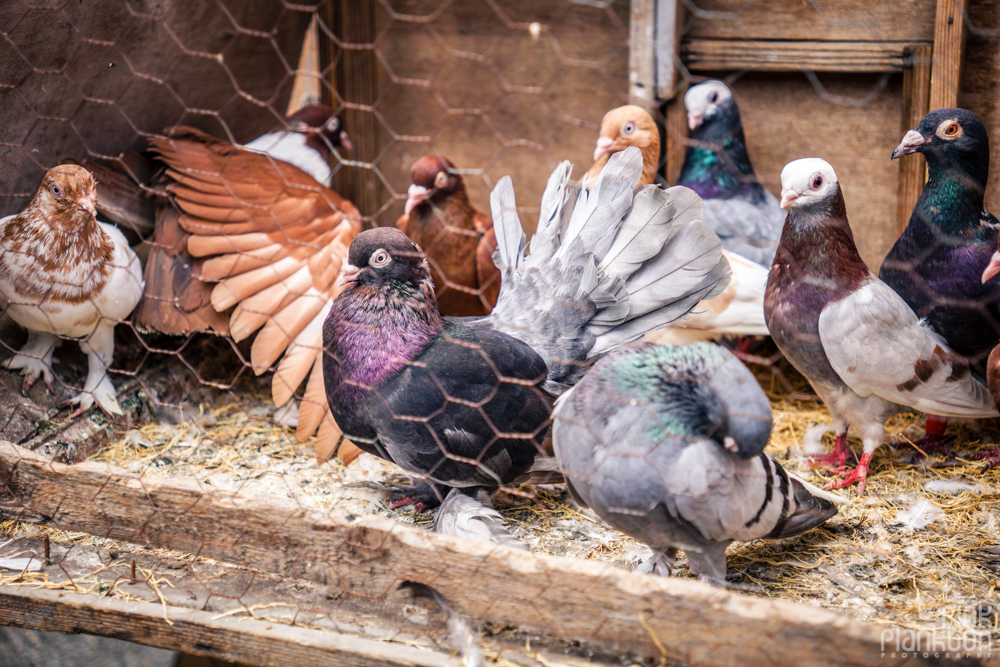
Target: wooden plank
642 53
197 632
354 75
371 555
676 133
860 20
669 25
916 97
707 54
949 46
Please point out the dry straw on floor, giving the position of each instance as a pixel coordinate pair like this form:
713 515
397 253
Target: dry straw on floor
866 561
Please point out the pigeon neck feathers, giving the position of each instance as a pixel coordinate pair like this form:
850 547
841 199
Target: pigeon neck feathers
717 165
817 251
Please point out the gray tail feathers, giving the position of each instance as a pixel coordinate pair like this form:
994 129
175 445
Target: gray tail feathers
607 264
810 511
465 514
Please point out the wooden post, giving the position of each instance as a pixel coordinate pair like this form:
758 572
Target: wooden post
642 53
354 77
916 97
669 25
949 46
675 135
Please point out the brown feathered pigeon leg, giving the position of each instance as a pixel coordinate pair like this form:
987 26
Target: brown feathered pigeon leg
175 301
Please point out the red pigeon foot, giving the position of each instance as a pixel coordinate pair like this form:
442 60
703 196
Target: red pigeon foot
837 459
859 475
992 459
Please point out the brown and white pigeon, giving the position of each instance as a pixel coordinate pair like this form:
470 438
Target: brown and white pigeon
272 240
859 344
739 309
65 275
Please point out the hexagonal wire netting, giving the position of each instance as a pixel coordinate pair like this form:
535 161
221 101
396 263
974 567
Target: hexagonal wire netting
217 383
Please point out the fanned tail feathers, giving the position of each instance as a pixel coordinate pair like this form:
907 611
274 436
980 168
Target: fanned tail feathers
608 264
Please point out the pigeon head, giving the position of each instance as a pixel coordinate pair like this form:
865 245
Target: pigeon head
950 139
810 184
747 426
69 189
322 121
385 257
708 101
434 179
626 126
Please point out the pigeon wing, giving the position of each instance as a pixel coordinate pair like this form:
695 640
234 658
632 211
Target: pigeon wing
877 345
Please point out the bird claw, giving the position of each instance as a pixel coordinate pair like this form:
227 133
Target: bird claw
422 496
992 459
859 475
836 460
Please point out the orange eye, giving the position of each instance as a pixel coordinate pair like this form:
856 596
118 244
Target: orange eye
951 130
440 179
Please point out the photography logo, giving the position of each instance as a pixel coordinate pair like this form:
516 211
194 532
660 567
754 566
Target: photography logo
974 640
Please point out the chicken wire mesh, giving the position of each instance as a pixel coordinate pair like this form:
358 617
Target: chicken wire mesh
483 90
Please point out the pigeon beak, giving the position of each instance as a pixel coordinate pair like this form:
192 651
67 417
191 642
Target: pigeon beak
729 442
911 143
603 147
694 119
414 196
787 197
89 202
993 268
348 274
345 142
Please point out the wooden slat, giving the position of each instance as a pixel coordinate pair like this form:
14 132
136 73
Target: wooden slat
196 632
861 20
707 54
916 96
949 45
642 52
669 25
369 556
676 136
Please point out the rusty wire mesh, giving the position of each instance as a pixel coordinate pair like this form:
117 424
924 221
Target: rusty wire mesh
498 88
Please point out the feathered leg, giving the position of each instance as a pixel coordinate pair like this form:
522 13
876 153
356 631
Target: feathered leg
466 513
660 562
872 437
35 358
99 348
838 459
710 564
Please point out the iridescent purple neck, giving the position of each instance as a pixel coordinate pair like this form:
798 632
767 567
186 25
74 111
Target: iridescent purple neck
373 333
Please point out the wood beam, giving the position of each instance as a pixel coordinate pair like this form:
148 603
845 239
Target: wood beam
795 56
916 99
370 556
949 47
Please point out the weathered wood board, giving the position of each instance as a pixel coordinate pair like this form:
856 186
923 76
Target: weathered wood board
370 556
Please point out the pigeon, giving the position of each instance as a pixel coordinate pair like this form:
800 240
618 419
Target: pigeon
459 241
65 275
739 310
863 349
269 241
622 127
992 362
666 444
465 402
311 135
716 165
937 263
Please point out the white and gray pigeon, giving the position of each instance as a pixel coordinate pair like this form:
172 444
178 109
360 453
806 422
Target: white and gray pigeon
863 349
666 444
738 208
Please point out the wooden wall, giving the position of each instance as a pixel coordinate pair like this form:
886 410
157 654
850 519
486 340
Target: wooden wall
477 88
980 87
